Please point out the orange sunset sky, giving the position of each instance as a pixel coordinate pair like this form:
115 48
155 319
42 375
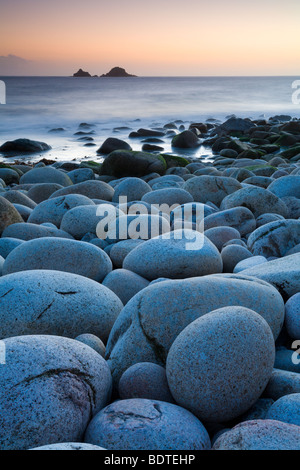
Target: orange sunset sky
157 37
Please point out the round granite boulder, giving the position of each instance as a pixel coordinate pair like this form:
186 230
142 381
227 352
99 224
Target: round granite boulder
275 238
91 189
211 188
258 200
53 210
156 316
176 255
59 254
141 424
131 188
260 435
69 446
145 380
125 284
286 409
50 389
46 175
210 384
58 303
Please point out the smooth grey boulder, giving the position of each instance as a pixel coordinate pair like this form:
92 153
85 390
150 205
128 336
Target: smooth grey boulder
275 238
8 215
141 424
210 384
171 197
232 255
283 383
42 191
20 146
219 236
69 446
249 263
176 255
121 249
91 189
267 218
24 211
145 380
122 163
131 188
286 186
81 220
50 388
59 254
135 227
292 317
7 245
284 274
166 179
156 316
258 200
80 175
293 205
28 231
288 359
286 409
46 175
55 303
260 435
53 210
16 197
211 188
93 342
9 176
239 218
125 284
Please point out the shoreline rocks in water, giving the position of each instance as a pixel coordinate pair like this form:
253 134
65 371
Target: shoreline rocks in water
153 289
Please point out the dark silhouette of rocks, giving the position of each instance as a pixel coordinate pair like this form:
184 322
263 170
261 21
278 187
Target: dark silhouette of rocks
117 72
81 73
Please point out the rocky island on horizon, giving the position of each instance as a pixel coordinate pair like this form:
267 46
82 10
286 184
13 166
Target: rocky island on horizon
116 72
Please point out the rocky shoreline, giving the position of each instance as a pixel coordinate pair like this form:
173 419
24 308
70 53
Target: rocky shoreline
153 289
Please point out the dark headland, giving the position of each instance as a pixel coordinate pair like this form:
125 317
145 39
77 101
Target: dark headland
116 72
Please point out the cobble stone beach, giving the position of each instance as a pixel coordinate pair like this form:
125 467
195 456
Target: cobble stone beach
147 288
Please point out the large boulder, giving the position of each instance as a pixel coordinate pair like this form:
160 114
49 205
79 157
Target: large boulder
211 188
275 238
177 255
186 140
234 124
210 384
8 215
128 163
260 435
171 197
53 210
46 175
42 191
20 146
284 274
53 302
111 144
91 189
59 254
239 218
286 409
9 176
286 186
258 200
125 284
17 197
156 316
50 388
28 231
141 424
131 188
